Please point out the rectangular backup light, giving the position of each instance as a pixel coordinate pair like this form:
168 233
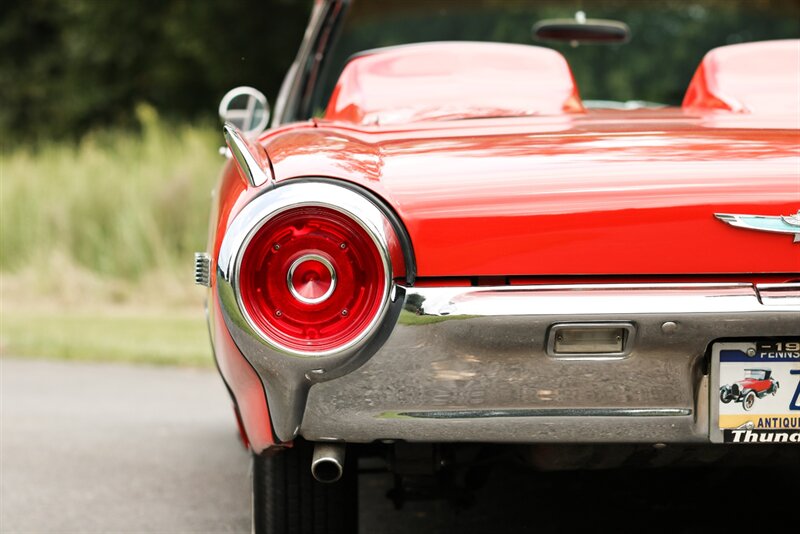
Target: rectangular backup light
590 340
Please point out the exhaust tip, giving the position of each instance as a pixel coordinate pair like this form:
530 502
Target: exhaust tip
327 464
326 470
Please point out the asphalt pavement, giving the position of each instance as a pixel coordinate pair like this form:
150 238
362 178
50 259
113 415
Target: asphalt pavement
89 447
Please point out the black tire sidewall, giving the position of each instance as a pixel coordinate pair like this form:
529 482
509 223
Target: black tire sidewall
287 499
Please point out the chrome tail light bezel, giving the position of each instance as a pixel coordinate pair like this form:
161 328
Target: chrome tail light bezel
298 195
286 373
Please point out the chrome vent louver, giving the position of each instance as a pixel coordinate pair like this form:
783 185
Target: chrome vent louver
202 269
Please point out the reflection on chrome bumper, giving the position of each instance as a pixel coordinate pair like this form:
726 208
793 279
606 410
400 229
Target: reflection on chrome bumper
470 364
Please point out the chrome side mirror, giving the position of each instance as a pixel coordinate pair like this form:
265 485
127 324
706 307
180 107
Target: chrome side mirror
247 109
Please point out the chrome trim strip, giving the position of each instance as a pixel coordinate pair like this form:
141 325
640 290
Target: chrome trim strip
546 412
792 286
287 374
779 294
606 300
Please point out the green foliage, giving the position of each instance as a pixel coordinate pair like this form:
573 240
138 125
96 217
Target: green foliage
70 66
118 204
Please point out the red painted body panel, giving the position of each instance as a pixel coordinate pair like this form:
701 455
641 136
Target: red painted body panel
748 78
243 381
448 80
756 385
245 385
605 193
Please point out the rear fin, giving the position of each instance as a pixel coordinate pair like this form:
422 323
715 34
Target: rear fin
250 158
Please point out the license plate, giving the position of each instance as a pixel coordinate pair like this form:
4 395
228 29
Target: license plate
755 392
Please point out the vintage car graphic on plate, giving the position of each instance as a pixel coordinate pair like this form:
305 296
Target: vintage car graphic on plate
756 384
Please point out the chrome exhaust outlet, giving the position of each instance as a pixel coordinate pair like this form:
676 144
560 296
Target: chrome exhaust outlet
327 463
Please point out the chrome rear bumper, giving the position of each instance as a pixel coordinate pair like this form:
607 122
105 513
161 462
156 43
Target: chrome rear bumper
471 364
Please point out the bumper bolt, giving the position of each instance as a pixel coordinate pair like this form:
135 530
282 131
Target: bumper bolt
670 327
751 352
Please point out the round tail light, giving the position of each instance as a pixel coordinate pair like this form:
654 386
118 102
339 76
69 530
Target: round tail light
312 280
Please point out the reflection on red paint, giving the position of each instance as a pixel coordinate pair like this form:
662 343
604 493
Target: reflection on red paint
606 193
419 82
759 78
756 77
243 382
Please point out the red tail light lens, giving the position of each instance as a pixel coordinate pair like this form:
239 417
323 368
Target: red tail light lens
312 279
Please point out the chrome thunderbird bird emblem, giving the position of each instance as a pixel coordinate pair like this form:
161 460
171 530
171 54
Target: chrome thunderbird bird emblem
781 224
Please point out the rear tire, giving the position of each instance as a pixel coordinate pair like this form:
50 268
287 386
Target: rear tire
287 499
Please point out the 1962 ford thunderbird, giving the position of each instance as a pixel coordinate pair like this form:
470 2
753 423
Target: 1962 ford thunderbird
440 243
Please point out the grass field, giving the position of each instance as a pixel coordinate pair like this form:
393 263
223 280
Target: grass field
119 204
78 315
146 337
96 244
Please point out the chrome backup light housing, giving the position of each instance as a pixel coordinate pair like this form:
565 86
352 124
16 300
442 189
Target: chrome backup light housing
293 371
